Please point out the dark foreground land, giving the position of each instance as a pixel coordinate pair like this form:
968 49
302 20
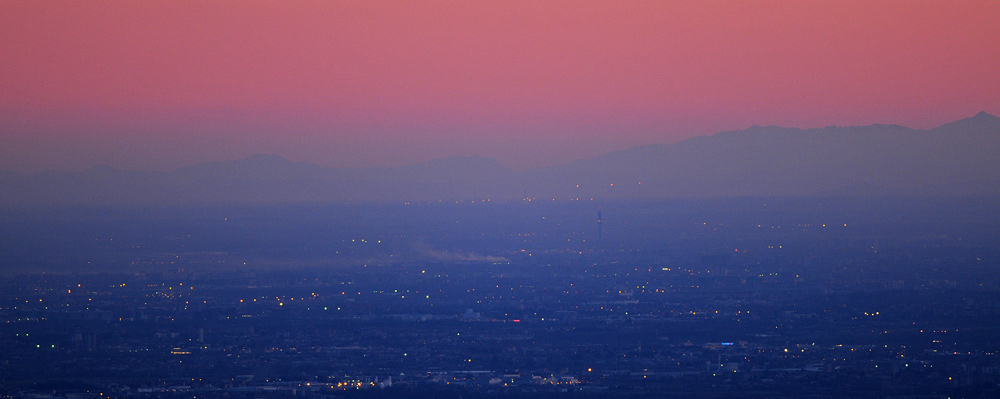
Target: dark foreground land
757 298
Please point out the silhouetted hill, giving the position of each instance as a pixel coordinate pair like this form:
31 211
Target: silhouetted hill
958 158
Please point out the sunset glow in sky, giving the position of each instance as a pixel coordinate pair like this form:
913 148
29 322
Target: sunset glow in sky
162 84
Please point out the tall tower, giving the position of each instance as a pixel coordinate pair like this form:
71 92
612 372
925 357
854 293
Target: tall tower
600 223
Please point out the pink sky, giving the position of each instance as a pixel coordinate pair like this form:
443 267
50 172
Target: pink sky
162 84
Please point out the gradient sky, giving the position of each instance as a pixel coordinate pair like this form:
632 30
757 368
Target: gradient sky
162 84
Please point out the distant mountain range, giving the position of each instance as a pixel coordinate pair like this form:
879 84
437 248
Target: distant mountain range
959 158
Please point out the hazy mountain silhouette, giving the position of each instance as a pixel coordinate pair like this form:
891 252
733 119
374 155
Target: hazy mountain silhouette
962 157
958 158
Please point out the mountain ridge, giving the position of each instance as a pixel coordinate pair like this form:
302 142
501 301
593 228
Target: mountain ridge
957 158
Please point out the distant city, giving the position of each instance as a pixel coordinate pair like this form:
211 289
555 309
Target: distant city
735 298
516 199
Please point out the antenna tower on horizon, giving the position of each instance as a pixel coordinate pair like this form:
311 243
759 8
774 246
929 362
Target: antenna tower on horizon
600 223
